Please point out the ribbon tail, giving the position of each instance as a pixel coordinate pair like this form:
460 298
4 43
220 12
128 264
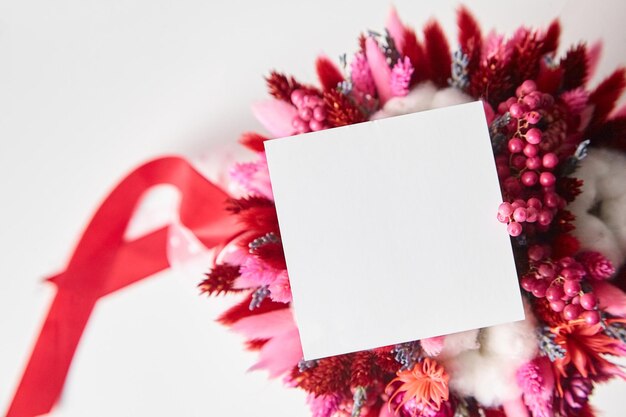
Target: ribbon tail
42 381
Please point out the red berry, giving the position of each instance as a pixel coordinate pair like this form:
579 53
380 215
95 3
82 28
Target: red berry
519 215
571 311
557 305
533 136
547 179
550 160
533 162
588 301
514 229
535 253
529 178
528 283
591 317
546 271
554 293
571 288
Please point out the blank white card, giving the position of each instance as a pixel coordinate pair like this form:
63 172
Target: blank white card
390 232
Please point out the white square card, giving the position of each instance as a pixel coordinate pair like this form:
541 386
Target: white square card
390 231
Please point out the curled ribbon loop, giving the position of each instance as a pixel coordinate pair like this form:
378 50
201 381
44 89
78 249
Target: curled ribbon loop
104 262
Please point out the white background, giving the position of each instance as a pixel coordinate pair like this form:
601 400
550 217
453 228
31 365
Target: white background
89 89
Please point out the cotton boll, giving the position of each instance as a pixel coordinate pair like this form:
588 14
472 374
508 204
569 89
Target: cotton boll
449 97
488 378
604 188
594 234
456 343
488 373
515 341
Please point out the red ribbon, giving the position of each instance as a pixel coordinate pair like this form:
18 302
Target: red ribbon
104 262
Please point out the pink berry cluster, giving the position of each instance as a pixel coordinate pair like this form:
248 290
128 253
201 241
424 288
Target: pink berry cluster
529 211
311 115
560 282
526 167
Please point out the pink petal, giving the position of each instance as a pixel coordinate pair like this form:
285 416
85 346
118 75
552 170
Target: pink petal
515 408
276 116
280 354
396 29
266 325
610 298
380 70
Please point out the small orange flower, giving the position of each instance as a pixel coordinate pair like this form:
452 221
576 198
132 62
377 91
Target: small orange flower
585 347
426 382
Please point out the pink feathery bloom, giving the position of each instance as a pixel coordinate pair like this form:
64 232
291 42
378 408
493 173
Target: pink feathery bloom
361 75
401 77
280 290
433 346
575 100
496 47
536 380
256 273
254 177
597 265
323 405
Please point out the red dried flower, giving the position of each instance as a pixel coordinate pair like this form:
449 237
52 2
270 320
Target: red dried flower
253 141
220 280
281 86
341 111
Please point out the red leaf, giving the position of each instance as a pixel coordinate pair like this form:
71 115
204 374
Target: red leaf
575 67
328 73
470 37
549 79
438 53
253 141
606 94
564 245
255 344
611 133
551 40
242 309
414 50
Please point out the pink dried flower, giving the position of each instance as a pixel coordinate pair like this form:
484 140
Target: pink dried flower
256 273
536 380
323 405
254 177
597 265
401 77
280 289
433 346
362 75
575 100
496 47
